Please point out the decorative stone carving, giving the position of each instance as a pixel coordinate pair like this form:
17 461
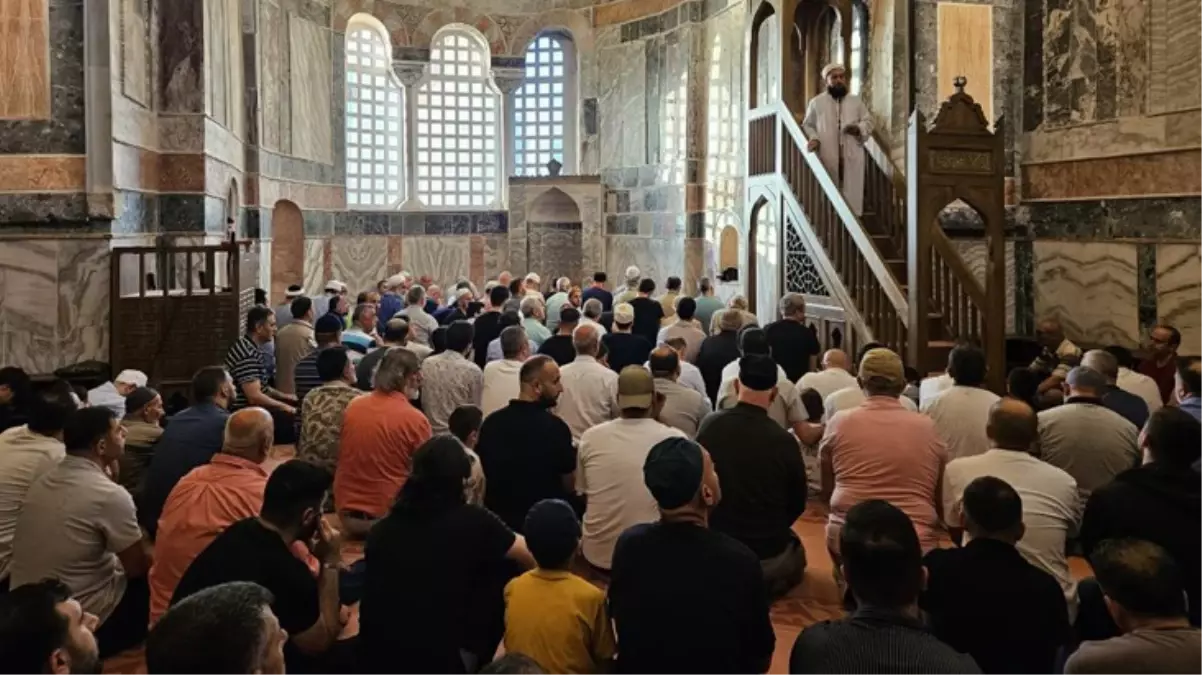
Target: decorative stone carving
508 79
409 72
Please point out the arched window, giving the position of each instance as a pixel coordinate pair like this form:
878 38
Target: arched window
544 110
458 124
767 57
374 119
859 46
722 128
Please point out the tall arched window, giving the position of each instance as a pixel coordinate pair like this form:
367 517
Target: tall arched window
374 119
767 58
458 124
722 129
859 46
544 110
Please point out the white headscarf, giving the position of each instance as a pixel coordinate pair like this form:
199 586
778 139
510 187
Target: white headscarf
830 68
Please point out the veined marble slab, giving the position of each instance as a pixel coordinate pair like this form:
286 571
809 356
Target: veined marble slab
444 258
1091 287
1179 292
359 262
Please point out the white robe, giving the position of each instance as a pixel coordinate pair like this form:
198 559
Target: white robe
824 120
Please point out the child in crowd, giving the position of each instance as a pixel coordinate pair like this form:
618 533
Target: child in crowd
551 615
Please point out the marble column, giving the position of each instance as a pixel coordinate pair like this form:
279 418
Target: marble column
410 73
98 110
508 80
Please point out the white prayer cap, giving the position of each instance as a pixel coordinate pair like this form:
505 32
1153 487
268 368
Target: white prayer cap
134 377
633 273
335 286
294 291
832 67
534 278
394 281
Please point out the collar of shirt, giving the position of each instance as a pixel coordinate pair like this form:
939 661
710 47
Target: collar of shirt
396 395
451 356
82 463
584 358
237 462
887 615
1087 400
301 322
750 409
551 575
882 403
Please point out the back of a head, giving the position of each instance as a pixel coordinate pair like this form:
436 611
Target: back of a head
863 351
513 339
532 369
17 381
464 420
301 306
1085 381
792 304
459 336
293 488
1123 355
50 409
1189 371
586 339
686 308
396 330
705 285
729 320
882 558
674 283
632 275
1102 361
1173 439
1023 383
812 400
552 533
1141 577
85 427
529 305
992 506
593 308
509 318
331 363
753 340
249 433
663 362
438 340
221 629
600 277
758 372
966 365
1012 425
415 296
513 663
395 367
647 286
498 295
435 483
32 628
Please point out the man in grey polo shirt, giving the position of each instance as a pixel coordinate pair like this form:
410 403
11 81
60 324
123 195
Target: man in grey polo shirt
80 526
1091 442
683 408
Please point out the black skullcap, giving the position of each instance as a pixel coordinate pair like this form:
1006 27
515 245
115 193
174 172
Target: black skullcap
757 372
138 399
673 472
552 532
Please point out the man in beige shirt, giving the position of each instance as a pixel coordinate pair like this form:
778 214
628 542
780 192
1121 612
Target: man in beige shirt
293 343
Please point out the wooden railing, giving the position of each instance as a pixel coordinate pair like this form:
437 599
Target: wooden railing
885 193
955 291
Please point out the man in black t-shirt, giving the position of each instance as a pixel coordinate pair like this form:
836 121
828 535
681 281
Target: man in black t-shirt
626 348
262 550
487 326
648 313
559 346
793 344
665 622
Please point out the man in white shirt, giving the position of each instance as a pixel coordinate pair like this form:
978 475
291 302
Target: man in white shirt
112 395
962 412
501 381
27 453
1136 383
852 397
683 408
610 468
685 328
591 314
1051 507
833 376
930 387
590 389
421 324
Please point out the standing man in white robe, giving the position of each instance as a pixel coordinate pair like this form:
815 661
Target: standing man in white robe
838 124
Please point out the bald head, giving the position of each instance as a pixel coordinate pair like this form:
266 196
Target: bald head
1012 425
586 339
835 358
1104 362
249 434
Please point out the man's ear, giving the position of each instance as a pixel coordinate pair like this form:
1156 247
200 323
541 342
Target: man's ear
59 663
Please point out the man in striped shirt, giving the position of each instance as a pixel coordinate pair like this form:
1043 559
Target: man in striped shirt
244 361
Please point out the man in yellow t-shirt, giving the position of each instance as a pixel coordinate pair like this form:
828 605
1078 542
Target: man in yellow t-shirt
552 615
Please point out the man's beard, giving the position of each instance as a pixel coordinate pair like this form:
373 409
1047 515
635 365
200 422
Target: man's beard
547 402
837 90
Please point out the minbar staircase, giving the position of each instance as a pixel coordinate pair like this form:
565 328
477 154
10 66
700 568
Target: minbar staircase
897 276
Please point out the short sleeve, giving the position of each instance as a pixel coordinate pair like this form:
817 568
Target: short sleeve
951 497
246 369
488 532
118 520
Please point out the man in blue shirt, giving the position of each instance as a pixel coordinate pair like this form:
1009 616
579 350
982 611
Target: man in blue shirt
597 290
391 302
1133 408
1189 385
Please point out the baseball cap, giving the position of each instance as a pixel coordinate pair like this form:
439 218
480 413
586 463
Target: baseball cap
335 286
673 471
552 532
569 314
757 372
135 377
636 388
884 364
294 291
328 323
1085 378
624 313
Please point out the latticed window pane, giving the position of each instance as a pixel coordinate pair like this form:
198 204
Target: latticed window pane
457 127
540 107
374 120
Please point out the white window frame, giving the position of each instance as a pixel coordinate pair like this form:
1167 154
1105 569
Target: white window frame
569 152
387 120
433 113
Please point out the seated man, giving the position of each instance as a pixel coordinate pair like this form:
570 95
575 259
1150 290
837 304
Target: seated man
961 411
324 408
79 526
783 407
684 408
44 630
228 629
1123 402
259 550
142 418
380 433
193 436
551 614
1057 357
244 361
1143 589
882 562
112 395
665 624
209 499
985 600
763 475
610 464
1160 501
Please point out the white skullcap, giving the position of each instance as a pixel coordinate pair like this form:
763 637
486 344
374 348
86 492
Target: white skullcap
394 281
632 273
832 67
294 291
335 286
134 377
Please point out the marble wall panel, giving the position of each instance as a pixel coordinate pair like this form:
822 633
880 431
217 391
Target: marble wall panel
496 257
443 258
135 50
315 261
1091 287
271 41
555 252
974 253
25 63
56 124
655 258
622 104
28 315
312 128
223 63
1173 60
1178 292
358 262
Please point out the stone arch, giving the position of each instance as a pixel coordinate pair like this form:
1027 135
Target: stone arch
287 248
573 23
763 258
554 235
765 46
553 206
391 22
423 34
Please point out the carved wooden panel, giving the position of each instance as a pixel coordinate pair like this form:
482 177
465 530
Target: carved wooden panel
24 59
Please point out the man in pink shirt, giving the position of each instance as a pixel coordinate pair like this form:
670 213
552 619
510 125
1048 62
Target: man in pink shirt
880 450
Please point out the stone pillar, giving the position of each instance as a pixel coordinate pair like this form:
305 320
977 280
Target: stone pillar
410 73
98 109
508 80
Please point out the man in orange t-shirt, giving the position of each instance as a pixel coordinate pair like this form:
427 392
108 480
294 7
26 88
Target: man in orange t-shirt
380 433
209 499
